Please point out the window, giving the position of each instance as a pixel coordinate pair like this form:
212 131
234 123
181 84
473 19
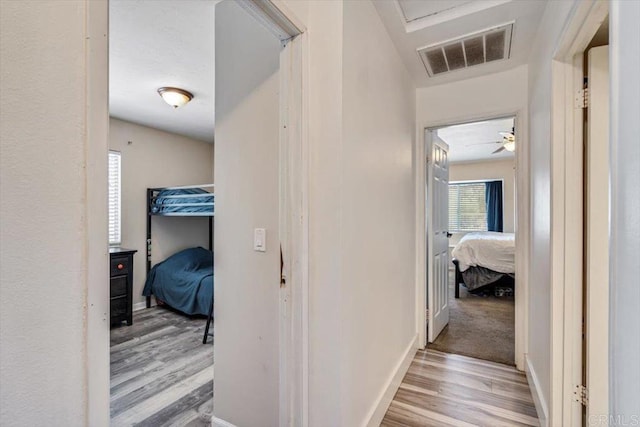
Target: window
114 198
467 207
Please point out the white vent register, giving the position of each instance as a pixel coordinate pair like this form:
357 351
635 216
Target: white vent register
474 49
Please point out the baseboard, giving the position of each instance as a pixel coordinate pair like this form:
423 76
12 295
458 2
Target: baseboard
538 399
376 414
139 306
218 422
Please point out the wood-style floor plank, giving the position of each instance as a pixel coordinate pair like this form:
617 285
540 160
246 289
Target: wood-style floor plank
443 389
161 373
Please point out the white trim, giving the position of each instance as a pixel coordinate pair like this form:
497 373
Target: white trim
522 224
567 212
96 276
275 16
293 228
219 422
379 408
523 232
536 393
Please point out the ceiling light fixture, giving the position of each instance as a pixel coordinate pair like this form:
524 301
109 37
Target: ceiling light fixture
174 96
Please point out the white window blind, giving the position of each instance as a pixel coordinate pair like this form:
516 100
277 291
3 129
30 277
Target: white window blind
114 198
467 207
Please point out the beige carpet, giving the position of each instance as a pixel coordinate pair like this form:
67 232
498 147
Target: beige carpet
479 326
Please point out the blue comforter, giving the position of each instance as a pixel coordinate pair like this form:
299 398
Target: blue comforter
164 203
184 281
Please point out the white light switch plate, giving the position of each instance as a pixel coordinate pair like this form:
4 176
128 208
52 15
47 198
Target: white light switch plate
260 240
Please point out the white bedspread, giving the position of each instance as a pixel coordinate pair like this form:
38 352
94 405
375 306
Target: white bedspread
495 251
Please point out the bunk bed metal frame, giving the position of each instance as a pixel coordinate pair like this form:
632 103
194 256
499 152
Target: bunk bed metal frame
152 196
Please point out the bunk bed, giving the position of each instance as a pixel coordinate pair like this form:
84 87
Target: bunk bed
183 281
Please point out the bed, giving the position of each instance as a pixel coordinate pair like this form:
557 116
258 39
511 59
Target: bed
183 281
484 260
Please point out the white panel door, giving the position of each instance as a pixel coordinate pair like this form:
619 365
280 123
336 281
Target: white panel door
597 229
437 229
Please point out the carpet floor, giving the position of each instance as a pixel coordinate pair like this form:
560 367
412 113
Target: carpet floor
479 326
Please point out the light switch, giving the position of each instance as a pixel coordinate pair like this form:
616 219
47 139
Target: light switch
260 240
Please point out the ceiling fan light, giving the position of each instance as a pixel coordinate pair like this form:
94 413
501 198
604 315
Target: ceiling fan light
174 96
510 145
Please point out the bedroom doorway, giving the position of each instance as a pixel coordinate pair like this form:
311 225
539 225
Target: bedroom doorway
471 206
145 389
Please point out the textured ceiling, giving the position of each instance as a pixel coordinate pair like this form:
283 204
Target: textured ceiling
155 43
447 20
476 141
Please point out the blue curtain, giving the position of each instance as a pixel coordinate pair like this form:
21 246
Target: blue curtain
493 198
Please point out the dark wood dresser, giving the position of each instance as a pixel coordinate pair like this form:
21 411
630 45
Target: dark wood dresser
121 284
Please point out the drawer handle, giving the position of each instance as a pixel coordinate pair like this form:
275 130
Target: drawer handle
120 266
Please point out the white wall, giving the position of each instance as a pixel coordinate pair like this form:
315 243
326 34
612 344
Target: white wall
361 283
246 387
43 276
625 205
490 170
477 98
377 212
155 158
539 355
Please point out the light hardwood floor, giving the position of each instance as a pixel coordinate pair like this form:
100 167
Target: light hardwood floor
442 389
161 373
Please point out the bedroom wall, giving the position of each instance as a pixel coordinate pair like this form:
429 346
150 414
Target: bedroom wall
155 158
489 170
246 351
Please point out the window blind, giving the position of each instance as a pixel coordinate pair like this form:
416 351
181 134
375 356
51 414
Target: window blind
467 207
114 198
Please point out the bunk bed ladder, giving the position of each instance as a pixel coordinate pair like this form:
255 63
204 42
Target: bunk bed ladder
210 316
149 201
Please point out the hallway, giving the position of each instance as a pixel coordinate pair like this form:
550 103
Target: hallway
443 389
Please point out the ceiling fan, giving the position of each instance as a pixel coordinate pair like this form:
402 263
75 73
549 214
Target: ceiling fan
508 142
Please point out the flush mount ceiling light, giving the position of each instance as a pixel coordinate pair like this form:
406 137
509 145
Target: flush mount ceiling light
174 96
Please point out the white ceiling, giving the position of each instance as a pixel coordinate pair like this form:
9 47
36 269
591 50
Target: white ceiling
414 24
476 141
155 43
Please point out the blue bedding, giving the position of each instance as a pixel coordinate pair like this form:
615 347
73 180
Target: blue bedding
184 281
164 203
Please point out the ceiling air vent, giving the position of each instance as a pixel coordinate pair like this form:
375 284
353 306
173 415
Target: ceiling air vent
475 49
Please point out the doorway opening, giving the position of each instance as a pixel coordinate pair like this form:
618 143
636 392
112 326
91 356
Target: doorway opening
471 249
233 73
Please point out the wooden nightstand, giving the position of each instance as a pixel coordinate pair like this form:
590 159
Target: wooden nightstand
121 285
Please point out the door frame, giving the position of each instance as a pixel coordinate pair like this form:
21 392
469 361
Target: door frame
567 212
294 208
522 224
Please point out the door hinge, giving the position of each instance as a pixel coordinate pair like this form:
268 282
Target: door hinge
582 98
581 395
